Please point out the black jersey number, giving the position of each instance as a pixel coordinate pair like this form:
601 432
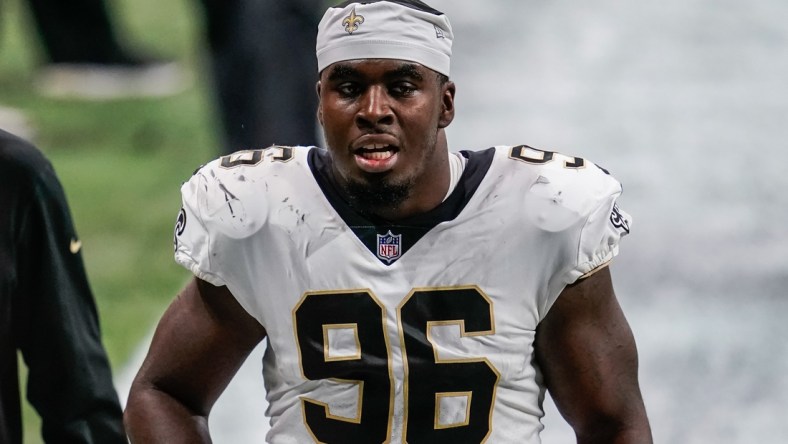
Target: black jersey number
528 154
363 316
254 157
430 381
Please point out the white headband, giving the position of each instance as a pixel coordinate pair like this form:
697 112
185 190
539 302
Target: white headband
385 30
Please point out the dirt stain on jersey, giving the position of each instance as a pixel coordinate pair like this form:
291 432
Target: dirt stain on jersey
228 197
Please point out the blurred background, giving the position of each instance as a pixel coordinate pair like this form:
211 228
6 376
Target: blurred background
121 162
685 102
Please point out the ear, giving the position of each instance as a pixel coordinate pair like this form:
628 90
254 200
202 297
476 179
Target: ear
447 104
319 104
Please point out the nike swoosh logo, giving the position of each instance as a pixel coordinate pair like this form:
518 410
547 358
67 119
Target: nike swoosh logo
75 246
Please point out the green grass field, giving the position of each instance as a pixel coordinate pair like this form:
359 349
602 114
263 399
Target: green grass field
121 164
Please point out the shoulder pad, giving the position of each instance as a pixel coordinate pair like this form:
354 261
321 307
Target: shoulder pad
562 190
230 192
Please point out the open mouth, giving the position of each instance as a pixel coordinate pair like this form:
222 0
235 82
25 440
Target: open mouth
376 151
376 157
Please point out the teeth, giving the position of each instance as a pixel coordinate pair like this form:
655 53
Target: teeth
377 155
376 151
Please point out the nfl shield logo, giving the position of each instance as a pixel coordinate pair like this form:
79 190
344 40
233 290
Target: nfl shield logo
389 247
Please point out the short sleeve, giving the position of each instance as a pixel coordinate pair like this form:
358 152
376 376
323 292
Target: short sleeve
192 238
581 210
221 208
600 237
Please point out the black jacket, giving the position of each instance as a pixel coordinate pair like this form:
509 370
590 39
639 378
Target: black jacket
47 310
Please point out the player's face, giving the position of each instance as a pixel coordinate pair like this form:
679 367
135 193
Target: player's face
381 120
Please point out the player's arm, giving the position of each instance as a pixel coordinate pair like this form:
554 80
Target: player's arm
588 357
199 344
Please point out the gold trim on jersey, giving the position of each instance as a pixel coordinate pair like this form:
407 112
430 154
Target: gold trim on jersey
439 396
358 383
279 153
327 348
359 405
245 157
594 270
463 334
523 153
518 153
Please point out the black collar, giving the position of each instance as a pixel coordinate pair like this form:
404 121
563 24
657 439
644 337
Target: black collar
388 240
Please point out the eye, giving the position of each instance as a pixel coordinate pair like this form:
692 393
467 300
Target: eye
402 89
348 89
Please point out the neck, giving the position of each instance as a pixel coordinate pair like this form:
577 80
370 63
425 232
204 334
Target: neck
430 188
425 191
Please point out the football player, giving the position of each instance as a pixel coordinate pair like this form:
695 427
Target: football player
407 293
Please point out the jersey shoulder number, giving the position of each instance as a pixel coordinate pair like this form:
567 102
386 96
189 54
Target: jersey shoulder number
254 157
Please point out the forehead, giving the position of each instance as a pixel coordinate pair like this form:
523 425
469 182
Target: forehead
375 68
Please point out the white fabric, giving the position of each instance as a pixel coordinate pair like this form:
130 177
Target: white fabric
456 167
384 30
268 233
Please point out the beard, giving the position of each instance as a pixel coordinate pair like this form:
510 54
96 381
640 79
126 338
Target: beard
377 194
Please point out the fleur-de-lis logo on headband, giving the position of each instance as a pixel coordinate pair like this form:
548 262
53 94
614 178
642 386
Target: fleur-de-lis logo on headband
352 22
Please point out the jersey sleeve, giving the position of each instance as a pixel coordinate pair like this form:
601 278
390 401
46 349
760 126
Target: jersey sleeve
579 205
192 237
220 208
602 223
600 237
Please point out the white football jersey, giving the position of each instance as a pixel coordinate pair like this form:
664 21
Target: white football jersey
416 331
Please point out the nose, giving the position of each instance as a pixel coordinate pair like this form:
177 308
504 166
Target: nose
374 108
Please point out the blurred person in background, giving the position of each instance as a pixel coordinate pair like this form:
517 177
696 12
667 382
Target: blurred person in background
47 310
86 58
264 70
260 56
